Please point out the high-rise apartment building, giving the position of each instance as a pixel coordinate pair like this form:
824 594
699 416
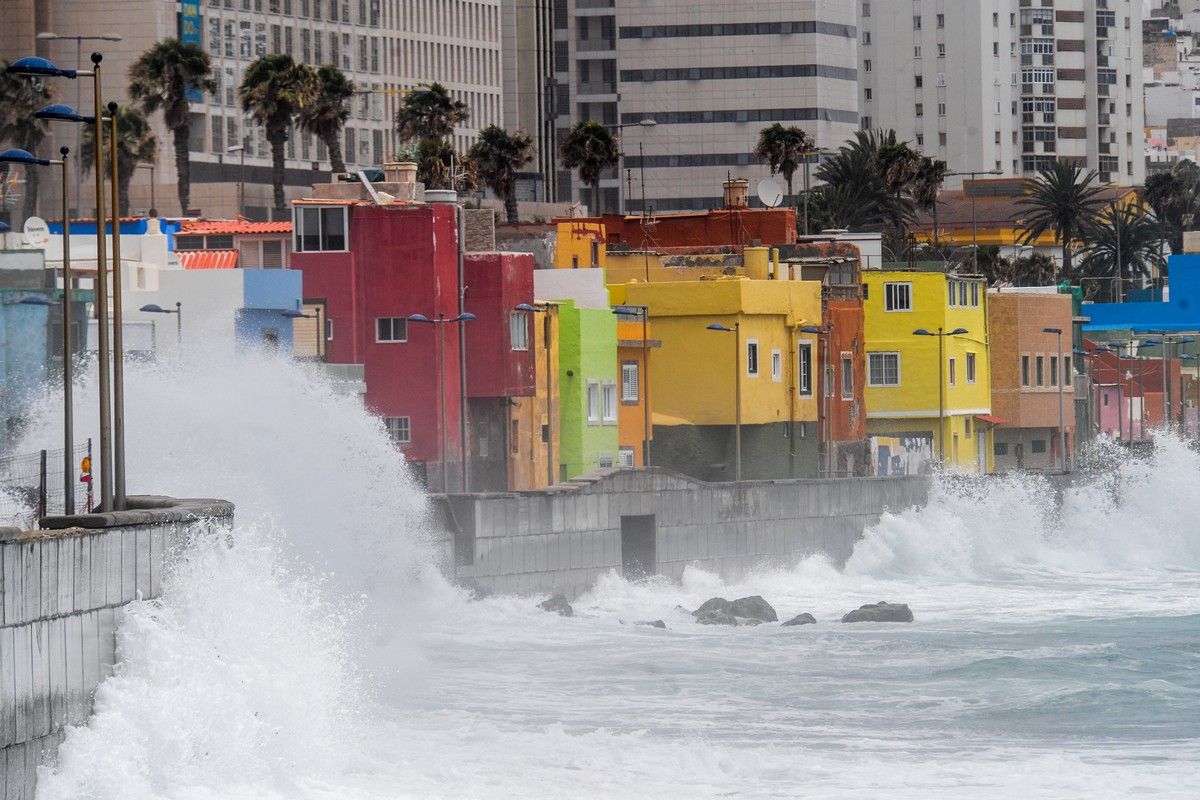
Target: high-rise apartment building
1008 85
527 31
385 46
710 74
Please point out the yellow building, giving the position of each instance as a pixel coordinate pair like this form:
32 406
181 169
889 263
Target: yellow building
579 244
694 371
903 370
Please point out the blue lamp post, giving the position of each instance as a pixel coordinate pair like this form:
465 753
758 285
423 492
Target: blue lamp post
26 158
45 68
941 337
736 330
440 323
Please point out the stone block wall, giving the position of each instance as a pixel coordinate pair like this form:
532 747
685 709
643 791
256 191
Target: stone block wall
62 592
562 539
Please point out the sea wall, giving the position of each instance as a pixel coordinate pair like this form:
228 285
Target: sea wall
62 592
654 521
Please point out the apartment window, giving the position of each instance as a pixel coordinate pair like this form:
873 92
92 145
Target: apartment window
970 367
752 358
866 9
941 20
866 65
847 376
941 109
953 292
1024 370
962 293
866 37
995 20
399 429
919 109
975 294
328 329
776 366
883 369
867 94
608 391
1000 448
920 140
593 402
917 51
391 329
916 23
804 368
518 330
918 81
952 370
1041 371
1038 445
1054 370
897 297
1066 378
630 382
319 228
941 50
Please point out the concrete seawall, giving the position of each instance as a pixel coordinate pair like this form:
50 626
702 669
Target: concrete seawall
62 592
656 521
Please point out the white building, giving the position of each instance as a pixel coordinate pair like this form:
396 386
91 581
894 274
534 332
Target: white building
1008 86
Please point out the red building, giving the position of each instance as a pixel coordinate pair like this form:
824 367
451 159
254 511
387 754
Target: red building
733 227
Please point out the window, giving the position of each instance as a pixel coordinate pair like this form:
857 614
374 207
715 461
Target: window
883 369
941 20
941 50
847 376
975 294
917 23
1038 445
866 9
630 382
320 228
776 366
609 392
866 94
518 330
918 81
866 65
953 293
626 456
917 51
328 329
1054 370
1024 370
962 293
970 367
919 109
399 428
604 460
1041 371
752 357
1000 448
1066 378
391 329
941 109
953 371
866 37
897 297
804 368
593 402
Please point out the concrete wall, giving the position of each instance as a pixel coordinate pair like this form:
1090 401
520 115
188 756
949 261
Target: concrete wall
562 539
62 593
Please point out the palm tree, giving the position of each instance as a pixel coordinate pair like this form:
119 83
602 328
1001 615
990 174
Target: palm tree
435 163
136 144
498 155
430 112
858 191
327 114
1173 196
783 150
275 89
1122 242
931 173
1062 199
591 148
164 78
20 97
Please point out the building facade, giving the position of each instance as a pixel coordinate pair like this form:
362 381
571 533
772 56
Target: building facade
711 75
527 49
1008 85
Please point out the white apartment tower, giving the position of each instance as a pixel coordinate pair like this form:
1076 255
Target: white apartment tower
710 74
1008 85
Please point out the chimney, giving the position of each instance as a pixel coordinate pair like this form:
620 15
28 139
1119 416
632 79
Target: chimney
736 192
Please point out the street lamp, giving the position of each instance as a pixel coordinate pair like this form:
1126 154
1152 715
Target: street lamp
154 308
241 149
293 314
16 156
43 67
736 330
530 308
1060 379
807 156
1166 341
826 388
440 324
644 313
974 228
941 337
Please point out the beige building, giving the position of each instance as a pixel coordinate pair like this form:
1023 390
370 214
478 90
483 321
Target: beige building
527 39
384 46
711 74
1008 85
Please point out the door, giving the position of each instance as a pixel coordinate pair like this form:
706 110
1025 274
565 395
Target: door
982 447
638 550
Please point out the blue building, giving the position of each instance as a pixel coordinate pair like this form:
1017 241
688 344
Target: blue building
1180 312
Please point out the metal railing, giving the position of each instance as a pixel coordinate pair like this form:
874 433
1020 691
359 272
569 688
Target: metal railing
31 486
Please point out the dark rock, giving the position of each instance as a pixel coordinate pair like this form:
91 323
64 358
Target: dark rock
716 618
713 604
753 608
559 605
656 623
801 619
880 612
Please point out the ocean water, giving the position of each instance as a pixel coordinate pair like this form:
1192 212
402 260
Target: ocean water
1055 652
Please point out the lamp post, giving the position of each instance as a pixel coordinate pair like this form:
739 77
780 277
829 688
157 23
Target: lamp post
807 156
24 157
118 340
240 149
154 308
440 324
293 314
644 385
941 337
736 330
974 226
1166 340
826 387
642 123
1060 379
41 67
545 308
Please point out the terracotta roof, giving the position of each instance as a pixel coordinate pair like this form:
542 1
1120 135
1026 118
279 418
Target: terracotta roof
232 226
208 259
988 419
954 208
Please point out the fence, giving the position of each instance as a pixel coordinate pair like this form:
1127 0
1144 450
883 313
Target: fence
31 485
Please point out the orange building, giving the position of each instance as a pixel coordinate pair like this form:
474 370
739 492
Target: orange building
736 227
634 346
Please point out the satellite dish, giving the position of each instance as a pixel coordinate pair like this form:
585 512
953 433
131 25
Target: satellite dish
769 193
37 232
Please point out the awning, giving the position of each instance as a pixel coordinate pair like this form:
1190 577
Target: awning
988 419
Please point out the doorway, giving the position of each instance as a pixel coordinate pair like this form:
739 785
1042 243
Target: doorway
638 547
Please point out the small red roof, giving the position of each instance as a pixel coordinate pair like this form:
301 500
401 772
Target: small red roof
990 420
208 259
232 226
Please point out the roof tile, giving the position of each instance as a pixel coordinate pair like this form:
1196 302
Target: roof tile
208 259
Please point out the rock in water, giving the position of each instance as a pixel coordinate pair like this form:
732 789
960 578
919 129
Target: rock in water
657 623
559 605
881 612
753 608
715 617
713 604
801 619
